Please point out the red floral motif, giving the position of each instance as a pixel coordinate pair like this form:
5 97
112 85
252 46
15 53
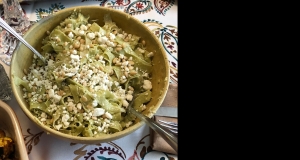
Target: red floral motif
139 5
174 64
161 6
119 2
173 31
169 43
135 155
166 37
157 33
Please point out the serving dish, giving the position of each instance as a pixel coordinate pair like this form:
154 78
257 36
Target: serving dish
22 59
9 123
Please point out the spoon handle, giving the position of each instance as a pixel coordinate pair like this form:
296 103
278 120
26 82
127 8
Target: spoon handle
20 38
166 134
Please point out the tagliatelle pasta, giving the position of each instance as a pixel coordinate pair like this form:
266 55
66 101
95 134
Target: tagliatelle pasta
91 76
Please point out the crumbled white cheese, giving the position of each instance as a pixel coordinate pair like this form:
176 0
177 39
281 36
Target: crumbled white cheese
102 40
98 112
83 27
56 98
95 103
111 36
108 115
51 93
81 32
75 57
91 35
71 35
58 126
65 118
125 103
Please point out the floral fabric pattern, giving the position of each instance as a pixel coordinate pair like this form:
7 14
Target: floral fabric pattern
160 16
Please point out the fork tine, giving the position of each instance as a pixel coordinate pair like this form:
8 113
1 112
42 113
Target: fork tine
174 131
170 125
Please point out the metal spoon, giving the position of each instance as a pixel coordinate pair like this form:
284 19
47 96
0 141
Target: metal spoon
166 134
20 38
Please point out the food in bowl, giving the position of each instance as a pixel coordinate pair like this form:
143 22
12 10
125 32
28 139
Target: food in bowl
12 145
6 146
22 60
91 75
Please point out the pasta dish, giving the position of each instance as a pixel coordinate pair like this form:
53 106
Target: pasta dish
91 75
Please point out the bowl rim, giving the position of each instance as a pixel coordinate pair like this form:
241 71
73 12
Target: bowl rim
21 147
102 138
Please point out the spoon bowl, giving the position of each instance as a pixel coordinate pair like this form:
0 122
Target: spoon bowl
20 38
166 134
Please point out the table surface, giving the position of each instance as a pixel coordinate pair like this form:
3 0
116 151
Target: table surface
161 17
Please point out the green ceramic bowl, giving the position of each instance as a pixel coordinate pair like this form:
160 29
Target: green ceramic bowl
22 58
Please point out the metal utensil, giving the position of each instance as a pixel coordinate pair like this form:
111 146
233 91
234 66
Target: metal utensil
165 133
20 38
172 126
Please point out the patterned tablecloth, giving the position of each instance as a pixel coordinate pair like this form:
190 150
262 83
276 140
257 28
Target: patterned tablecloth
161 17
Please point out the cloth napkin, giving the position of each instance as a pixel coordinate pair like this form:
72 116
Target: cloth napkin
171 100
5 88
